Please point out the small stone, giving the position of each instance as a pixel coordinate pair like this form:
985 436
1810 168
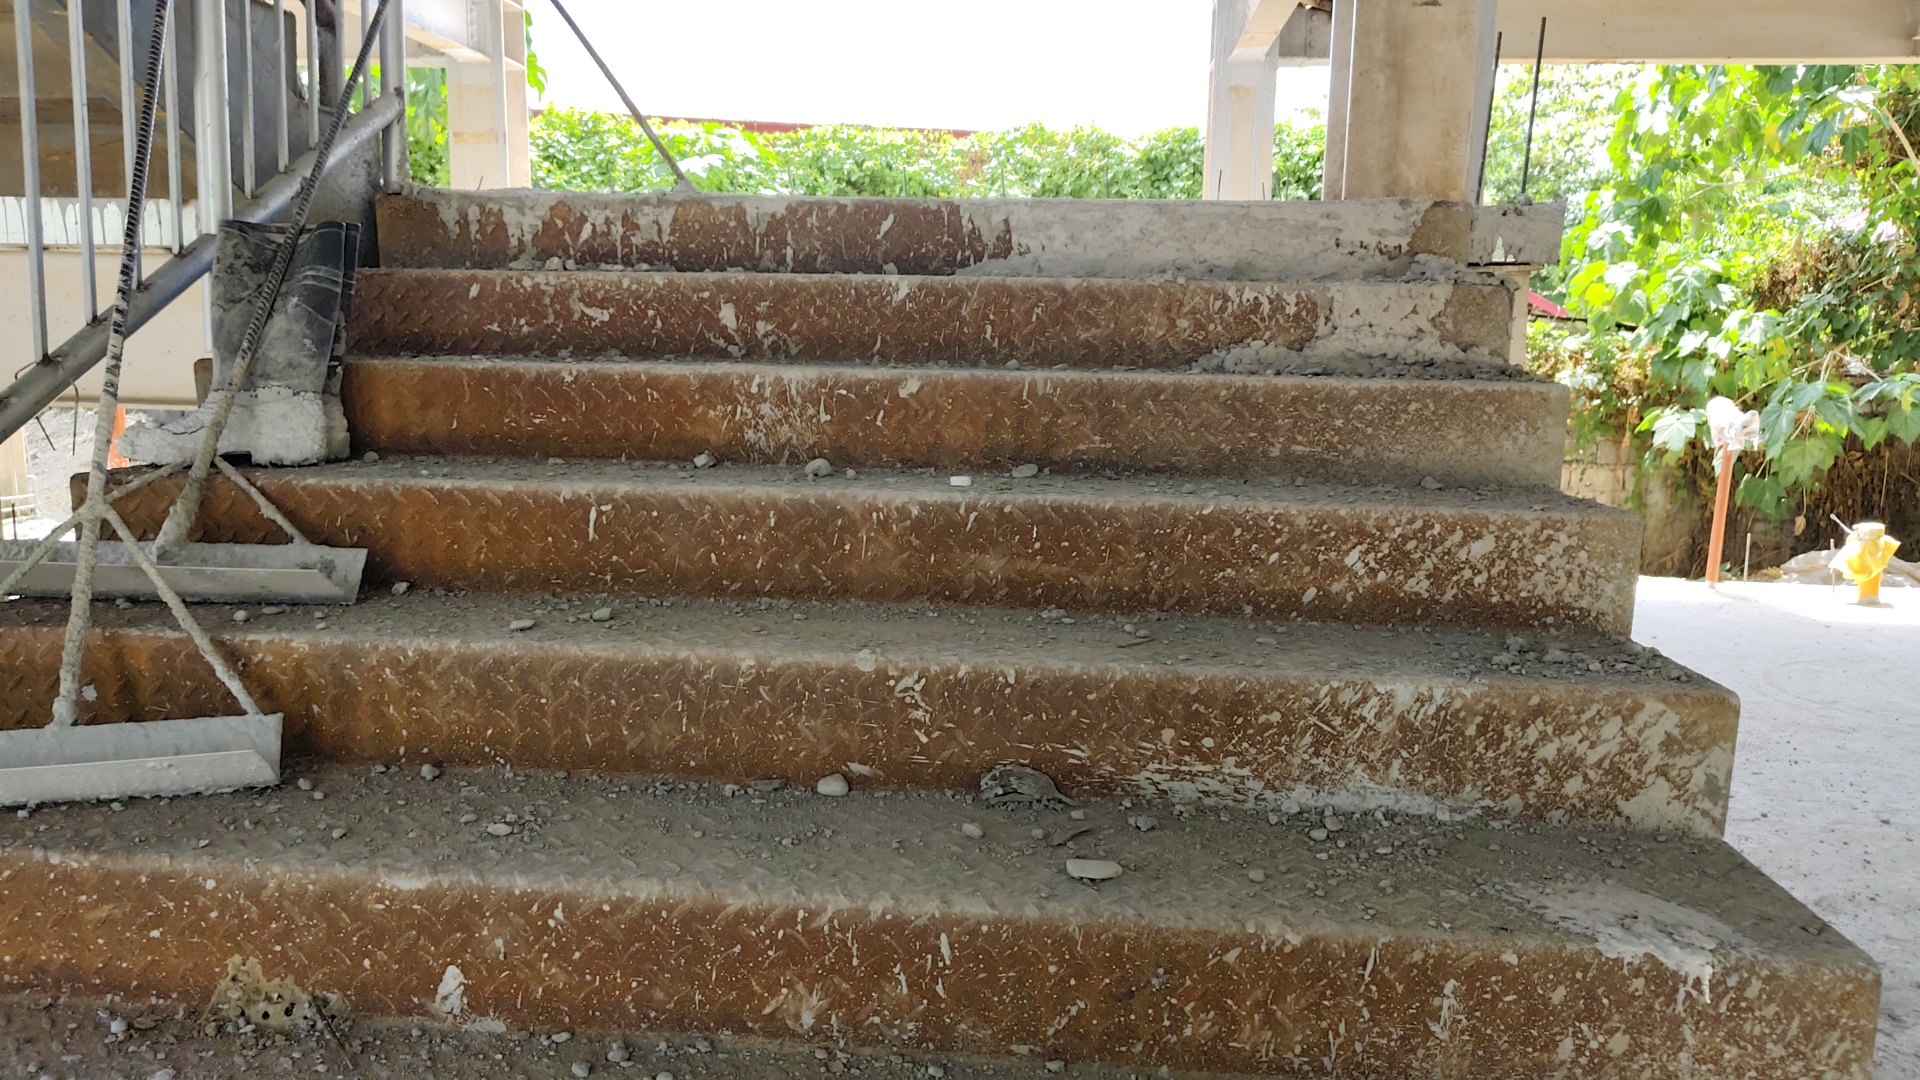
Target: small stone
705 461
500 828
556 263
1144 822
1317 834
163 1074
974 831
370 457
1056 1066
468 819
304 784
117 1026
1430 483
663 1076
1334 824
242 615
959 481
520 624
338 834
818 468
618 1053
319 796
1093 869
936 1072
1026 472
400 587
1037 834
582 1070
1557 655
429 772
766 787
1077 815
117 805
562 1036
833 786
1256 876
604 614
273 609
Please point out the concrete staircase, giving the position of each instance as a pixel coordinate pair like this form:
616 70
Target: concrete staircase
1257 554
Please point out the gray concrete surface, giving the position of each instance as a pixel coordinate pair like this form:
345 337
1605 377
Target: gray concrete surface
1825 795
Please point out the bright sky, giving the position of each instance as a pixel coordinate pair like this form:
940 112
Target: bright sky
1130 66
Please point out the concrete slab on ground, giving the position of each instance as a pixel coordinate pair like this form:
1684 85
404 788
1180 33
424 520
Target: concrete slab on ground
1824 795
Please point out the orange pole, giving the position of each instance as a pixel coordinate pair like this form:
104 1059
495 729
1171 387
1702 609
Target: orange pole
1716 542
114 460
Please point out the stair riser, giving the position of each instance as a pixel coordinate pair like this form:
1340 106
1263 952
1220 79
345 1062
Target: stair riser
1052 237
1529 749
1379 431
1330 562
912 320
1273 998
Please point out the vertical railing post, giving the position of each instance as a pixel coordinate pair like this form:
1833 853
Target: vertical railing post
249 115
30 169
393 82
283 74
316 82
170 73
82 155
213 129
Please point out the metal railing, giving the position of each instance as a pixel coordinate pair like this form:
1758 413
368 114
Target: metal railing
251 111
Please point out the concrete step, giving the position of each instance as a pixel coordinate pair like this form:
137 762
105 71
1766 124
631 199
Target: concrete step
1236 241
1255 547
1233 712
1399 431
1449 329
1416 949
74 1036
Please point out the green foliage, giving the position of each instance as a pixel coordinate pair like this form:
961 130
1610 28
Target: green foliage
536 74
427 126
1569 132
1753 238
575 149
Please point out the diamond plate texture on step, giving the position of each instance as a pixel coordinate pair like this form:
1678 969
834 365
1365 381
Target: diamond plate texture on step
1564 563
1042 322
877 923
1397 431
1651 757
1240 241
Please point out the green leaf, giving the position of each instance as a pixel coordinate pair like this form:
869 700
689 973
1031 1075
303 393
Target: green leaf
1674 429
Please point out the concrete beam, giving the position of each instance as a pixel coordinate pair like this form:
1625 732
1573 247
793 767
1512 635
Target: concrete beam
1702 32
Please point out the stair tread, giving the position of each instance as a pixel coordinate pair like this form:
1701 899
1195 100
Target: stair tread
1233 711
906 850
1394 375
1463 327
903 633
1279 494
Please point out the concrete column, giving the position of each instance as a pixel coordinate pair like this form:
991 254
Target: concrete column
1410 80
479 99
1239 157
1340 71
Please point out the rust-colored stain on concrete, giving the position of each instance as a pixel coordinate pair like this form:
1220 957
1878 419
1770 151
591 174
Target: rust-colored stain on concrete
1369 431
661 699
674 919
1083 543
1085 322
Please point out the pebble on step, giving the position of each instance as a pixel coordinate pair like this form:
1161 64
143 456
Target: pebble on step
1093 869
520 624
833 786
818 468
705 461
1026 472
